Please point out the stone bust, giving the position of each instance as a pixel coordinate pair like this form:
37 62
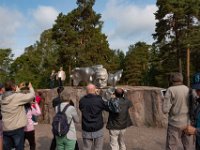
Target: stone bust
100 77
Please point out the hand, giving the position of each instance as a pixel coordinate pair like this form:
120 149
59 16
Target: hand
30 85
97 91
190 130
17 89
113 96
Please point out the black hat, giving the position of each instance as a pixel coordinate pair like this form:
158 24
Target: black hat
196 81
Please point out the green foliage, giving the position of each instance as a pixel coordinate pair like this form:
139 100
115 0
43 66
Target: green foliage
75 40
36 63
177 27
6 58
81 42
136 64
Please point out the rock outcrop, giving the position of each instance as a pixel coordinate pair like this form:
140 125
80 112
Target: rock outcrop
146 110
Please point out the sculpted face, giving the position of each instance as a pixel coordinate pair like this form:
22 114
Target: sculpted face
101 78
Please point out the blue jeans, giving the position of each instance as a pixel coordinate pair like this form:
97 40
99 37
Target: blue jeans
13 139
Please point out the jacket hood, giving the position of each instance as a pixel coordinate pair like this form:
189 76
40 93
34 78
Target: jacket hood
7 97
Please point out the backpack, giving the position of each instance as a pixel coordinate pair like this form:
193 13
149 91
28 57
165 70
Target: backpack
114 105
60 125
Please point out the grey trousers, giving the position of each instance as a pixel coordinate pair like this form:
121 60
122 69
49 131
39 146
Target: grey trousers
117 139
176 135
97 143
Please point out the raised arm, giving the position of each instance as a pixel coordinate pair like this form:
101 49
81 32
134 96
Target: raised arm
36 110
25 98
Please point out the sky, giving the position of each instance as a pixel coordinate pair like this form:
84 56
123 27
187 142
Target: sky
125 21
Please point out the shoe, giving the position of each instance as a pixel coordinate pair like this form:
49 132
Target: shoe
35 123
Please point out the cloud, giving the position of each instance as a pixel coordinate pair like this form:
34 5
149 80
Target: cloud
10 21
44 17
130 23
19 30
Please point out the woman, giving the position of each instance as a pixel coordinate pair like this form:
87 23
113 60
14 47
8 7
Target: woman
67 142
29 131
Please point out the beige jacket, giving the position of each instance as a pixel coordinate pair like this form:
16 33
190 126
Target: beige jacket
13 111
176 105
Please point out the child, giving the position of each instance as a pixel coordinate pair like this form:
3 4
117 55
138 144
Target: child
29 131
38 99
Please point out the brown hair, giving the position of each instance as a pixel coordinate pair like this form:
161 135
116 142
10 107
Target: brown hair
176 77
65 97
9 85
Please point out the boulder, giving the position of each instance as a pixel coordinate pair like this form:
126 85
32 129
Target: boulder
146 110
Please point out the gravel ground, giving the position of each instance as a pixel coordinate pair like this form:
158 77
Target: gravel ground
137 138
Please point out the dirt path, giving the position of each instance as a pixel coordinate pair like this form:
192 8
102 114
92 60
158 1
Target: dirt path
136 138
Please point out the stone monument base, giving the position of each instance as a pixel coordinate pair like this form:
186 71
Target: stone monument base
146 110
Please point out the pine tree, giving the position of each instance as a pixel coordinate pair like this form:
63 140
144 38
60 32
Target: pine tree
79 36
136 64
176 21
36 63
6 58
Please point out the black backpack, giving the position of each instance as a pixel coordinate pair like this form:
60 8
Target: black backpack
60 125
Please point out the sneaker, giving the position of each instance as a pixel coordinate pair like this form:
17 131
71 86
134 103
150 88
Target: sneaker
35 123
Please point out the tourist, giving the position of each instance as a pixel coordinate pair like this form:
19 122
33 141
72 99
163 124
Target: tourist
118 122
175 104
38 100
14 115
55 102
52 79
91 106
1 124
29 129
195 98
61 76
67 142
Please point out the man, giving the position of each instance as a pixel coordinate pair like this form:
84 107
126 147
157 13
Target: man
52 79
1 124
14 115
195 102
176 105
91 106
61 76
56 101
118 122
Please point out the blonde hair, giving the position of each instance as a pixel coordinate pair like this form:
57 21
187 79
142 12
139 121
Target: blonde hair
65 97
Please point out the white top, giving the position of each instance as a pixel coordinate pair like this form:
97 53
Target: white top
72 117
62 75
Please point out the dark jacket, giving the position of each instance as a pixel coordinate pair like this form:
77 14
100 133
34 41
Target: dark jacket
197 123
91 107
121 120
